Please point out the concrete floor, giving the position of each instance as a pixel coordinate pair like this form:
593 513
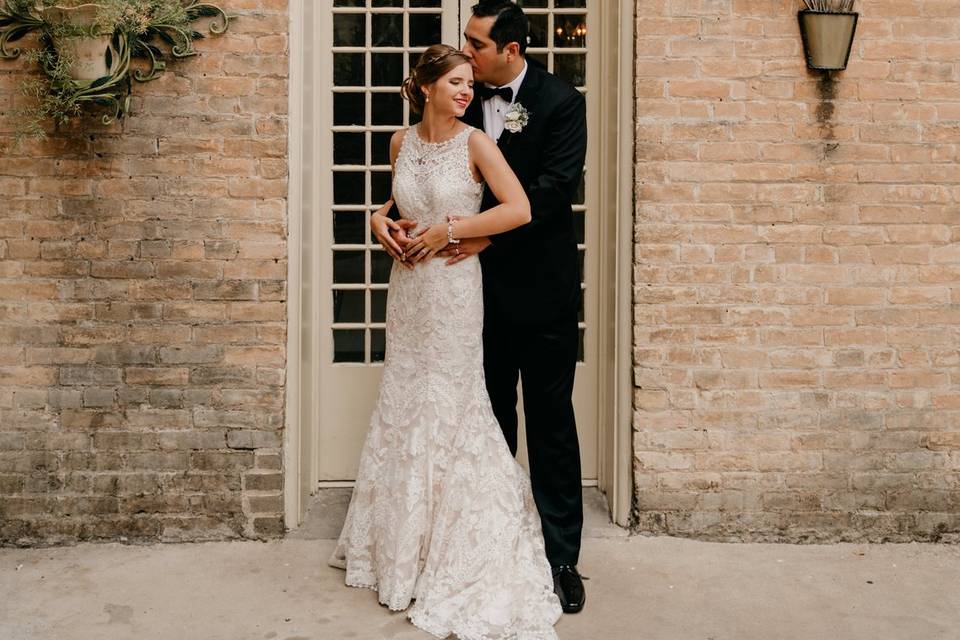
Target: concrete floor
649 588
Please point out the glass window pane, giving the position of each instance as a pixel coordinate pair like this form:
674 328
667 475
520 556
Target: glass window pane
349 30
373 239
538 30
571 67
348 108
378 345
418 4
381 186
380 265
532 4
424 29
580 314
387 3
349 148
581 254
412 118
348 306
378 305
580 348
386 69
570 4
386 108
387 30
348 69
348 3
380 147
348 345
348 267
349 227
414 57
580 196
569 30
348 187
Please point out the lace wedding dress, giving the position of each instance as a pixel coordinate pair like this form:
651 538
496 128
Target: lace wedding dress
441 512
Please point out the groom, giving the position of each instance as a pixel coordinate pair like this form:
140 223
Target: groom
531 277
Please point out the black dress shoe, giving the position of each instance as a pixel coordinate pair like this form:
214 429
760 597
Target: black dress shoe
568 585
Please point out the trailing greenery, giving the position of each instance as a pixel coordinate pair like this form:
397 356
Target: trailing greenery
47 104
137 29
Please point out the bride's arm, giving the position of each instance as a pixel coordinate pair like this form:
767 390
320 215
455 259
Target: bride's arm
392 233
514 208
512 212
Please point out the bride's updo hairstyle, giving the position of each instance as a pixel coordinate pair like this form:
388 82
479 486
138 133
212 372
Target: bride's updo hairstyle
433 64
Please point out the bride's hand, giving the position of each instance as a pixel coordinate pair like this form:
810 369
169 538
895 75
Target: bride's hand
426 243
391 234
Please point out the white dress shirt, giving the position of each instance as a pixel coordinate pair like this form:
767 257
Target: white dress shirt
495 109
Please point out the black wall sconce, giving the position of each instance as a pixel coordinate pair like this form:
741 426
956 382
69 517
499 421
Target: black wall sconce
827 28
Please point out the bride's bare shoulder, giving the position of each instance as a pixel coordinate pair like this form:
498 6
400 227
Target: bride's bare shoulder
397 138
479 137
396 141
481 144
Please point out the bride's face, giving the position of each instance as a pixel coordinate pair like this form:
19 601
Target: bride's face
452 92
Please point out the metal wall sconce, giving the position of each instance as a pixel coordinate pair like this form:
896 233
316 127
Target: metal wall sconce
827 38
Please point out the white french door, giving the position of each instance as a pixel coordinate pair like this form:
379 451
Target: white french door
374 43
364 51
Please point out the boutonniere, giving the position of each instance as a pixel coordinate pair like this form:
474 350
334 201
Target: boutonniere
516 118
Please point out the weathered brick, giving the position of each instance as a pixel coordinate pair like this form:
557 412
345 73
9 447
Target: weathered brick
189 354
263 481
72 375
176 376
246 439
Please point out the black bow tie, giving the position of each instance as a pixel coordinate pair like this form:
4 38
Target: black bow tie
485 93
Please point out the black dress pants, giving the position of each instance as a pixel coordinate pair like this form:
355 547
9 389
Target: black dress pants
545 359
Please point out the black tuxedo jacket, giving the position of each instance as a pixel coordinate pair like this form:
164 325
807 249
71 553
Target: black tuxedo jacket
531 274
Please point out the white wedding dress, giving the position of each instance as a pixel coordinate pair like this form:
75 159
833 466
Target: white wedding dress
441 513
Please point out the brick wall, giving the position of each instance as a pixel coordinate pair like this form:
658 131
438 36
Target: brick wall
797 280
142 304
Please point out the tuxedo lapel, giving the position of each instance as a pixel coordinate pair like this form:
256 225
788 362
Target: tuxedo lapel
526 96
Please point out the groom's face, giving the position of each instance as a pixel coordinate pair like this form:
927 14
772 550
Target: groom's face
488 64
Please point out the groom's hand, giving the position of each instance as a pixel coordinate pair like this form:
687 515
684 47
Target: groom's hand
467 247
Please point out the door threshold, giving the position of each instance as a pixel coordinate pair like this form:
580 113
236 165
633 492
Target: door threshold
328 509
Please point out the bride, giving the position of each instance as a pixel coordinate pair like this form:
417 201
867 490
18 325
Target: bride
441 513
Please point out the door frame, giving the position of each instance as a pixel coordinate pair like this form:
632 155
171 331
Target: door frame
617 149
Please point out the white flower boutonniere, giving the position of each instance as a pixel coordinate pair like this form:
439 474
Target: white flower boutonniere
516 118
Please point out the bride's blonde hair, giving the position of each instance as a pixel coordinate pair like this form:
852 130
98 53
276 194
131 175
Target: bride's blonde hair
437 60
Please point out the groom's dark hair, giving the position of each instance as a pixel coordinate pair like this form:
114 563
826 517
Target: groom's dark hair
511 24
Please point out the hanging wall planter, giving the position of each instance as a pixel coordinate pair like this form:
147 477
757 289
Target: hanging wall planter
87 45
827 28
86 50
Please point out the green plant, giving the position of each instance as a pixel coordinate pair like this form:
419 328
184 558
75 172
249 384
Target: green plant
829 6
134 29
46 104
